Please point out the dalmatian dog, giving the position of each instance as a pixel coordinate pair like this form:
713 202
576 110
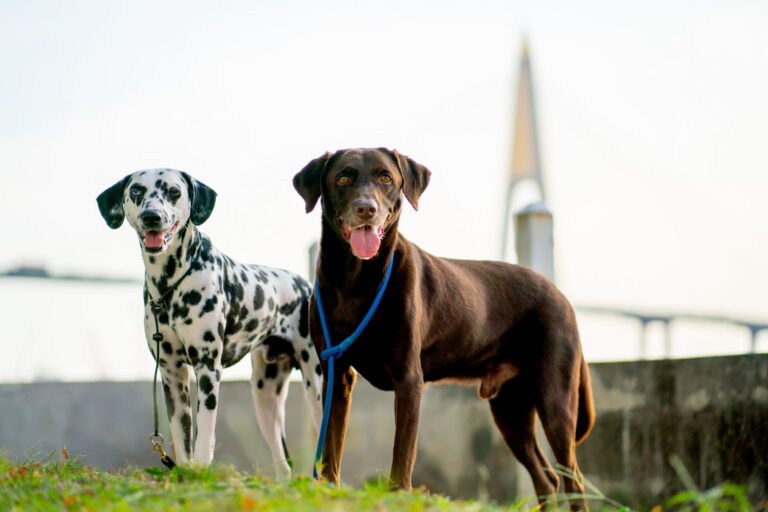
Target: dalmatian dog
216 311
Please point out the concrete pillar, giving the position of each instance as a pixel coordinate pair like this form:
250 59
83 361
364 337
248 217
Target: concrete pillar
643 339
667 338
314 251
753 331
534 240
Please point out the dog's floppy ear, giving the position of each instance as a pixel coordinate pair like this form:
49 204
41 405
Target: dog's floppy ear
309 181
202 199
415 177
111 204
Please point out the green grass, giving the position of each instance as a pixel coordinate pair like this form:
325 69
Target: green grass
64 483
70 485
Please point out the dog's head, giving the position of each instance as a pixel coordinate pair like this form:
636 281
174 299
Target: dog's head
361 192
157 203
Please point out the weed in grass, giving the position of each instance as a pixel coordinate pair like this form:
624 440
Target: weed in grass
722 498
593 496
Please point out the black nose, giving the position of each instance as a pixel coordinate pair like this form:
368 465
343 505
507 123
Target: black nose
150 219
365 208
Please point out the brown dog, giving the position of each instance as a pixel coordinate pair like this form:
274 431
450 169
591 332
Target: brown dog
499 325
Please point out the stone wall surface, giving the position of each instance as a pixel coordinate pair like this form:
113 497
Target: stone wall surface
712 413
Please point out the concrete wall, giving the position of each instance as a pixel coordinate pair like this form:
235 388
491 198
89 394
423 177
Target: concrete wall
712 412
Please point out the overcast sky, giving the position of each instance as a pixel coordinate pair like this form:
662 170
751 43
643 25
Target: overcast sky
653 120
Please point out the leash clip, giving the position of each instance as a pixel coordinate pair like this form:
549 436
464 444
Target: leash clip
157 441
157 305
157 445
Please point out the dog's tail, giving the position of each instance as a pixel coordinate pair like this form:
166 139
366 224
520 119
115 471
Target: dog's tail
586 418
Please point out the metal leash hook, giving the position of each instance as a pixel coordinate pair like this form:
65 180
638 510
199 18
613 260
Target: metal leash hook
157 441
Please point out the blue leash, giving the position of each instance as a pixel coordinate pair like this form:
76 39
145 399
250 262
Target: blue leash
332 352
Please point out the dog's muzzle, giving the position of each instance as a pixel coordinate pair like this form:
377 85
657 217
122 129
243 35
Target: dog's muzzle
153 237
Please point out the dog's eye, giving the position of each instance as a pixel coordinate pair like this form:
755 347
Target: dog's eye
174 193
135 193
343 180
385 179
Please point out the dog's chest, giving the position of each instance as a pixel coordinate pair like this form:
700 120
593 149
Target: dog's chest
373 354
378 373
222 312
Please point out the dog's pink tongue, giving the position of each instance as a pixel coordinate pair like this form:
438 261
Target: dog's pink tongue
365 242
153 239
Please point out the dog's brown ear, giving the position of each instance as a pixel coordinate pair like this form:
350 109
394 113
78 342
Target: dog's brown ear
309 181
415 178
202 199
111 204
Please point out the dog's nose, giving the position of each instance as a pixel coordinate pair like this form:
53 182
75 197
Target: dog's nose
150 219
364 208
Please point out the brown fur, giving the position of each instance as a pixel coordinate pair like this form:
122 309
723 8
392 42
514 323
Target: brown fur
499 372
498 324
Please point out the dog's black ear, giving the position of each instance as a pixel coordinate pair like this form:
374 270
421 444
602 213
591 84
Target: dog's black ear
415 177
309 181
202 199
111 204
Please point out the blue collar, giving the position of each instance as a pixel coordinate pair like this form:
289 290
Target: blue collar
332 352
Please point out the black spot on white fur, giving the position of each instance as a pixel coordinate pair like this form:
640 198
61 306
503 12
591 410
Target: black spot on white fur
258 298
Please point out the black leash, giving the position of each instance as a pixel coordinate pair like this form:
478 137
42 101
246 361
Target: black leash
157 306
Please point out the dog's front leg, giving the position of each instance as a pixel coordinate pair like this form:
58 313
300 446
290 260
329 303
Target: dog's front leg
177 404
337 422
407 405
208 377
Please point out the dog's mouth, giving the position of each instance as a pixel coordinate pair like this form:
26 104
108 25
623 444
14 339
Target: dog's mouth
365 239
155 240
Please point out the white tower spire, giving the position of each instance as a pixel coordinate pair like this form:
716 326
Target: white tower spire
526 161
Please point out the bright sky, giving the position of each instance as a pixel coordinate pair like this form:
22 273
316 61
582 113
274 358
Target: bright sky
653 119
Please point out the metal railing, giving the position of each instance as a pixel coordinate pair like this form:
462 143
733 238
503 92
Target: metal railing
666 320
